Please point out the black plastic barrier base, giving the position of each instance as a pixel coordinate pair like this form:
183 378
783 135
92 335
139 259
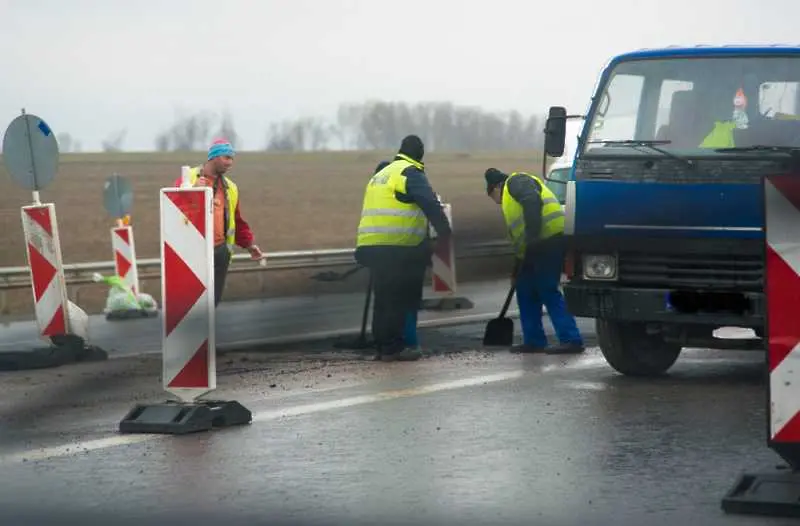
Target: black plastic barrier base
770 494
180 418
66 349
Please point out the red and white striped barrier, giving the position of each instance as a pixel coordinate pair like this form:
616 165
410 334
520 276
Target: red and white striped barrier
443 271
187 292
189 368
782 195
775 494
43 249
124 251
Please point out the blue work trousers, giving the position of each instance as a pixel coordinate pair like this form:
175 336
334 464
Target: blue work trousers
538 284
410 329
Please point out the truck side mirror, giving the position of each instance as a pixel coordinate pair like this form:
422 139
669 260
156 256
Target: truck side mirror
555 131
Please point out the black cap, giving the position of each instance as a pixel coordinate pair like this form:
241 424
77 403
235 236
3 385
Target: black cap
412 147
493 178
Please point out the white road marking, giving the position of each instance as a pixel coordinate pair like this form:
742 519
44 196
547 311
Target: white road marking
77 448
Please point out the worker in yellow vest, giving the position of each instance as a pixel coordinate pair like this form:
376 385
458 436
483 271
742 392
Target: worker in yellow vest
535 222
230 228
393 243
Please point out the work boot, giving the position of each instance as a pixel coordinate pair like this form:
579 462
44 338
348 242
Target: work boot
406 355
526 349
566 348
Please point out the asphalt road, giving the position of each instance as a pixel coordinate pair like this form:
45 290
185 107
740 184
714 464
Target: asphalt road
466 437
242 324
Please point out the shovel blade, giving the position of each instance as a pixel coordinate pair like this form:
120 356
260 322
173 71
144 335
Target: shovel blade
499 332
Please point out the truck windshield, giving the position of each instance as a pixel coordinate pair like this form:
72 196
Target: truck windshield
695 106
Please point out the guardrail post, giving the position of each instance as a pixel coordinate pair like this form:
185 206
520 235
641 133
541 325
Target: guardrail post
776 494
188 321
443 274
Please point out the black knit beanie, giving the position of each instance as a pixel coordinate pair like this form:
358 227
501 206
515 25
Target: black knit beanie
493 178
412 147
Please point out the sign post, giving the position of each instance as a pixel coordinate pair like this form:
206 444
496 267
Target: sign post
188 322
30 153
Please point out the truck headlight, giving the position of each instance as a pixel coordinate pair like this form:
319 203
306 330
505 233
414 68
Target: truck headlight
600 266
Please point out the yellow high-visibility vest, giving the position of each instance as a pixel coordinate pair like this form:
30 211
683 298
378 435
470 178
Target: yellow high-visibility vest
233 199
721 136
384 219
552 215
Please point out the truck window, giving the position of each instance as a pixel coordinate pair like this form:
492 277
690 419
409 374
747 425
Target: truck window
617 119
668 89
559 174
778 99
696 103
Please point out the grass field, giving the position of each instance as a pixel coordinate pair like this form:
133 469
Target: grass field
292 202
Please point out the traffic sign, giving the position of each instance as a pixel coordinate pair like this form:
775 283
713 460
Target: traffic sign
30 152
117 196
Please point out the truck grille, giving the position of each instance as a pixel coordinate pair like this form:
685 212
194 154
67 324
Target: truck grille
720 271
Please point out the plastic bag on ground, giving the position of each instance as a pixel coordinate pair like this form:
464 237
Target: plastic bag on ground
121 297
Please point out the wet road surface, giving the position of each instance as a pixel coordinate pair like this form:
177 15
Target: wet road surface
241 324
470 436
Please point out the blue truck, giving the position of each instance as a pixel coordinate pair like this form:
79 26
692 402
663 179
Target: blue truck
664 203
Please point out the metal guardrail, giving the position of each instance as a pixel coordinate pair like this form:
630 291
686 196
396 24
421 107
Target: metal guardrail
81 273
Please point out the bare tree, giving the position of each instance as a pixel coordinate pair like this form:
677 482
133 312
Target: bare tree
114 142
65 142
162 142
228 130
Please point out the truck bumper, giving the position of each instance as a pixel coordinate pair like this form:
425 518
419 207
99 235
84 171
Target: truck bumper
652 305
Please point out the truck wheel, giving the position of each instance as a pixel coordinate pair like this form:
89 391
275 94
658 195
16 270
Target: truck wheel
631 351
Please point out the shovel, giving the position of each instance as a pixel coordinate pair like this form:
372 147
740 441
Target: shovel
500 331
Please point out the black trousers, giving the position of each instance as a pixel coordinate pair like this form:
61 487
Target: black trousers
221 263
397 278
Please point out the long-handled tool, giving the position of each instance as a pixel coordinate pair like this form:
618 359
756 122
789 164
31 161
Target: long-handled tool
500 331
361 342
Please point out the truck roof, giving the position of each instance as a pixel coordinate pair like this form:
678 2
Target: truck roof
705 50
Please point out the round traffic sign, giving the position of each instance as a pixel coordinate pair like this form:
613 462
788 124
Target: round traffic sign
30 152
117 196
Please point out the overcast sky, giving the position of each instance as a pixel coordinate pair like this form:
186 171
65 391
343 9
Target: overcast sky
93 67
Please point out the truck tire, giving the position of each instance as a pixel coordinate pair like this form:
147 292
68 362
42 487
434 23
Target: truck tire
631 351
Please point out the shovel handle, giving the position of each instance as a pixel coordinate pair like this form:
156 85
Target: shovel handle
508 301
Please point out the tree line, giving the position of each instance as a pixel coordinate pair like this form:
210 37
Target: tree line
357 126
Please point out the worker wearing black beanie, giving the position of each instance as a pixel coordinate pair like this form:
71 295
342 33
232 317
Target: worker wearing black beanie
393 242
535 220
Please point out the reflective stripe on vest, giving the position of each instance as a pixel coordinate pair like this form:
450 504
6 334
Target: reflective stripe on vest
552 215
233 198
384 219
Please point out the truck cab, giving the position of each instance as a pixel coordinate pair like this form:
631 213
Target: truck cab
664 204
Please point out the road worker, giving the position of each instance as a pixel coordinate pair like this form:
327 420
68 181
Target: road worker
535 222
230 229
410 325
393 243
